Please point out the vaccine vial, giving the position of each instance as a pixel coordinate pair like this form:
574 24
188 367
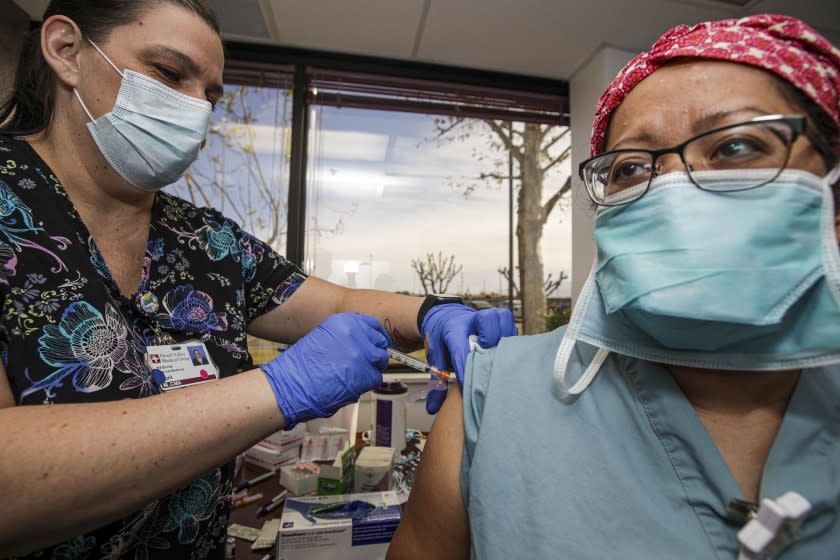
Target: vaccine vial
389 415
230 548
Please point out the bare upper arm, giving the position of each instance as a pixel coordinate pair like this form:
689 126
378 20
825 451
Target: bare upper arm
317 299
7 399
435 523
312 302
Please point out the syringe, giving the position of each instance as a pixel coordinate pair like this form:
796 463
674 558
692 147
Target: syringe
418 364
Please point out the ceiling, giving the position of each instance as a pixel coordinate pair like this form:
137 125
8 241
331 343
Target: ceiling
545 38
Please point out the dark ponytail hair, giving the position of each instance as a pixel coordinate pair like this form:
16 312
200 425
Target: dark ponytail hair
30 107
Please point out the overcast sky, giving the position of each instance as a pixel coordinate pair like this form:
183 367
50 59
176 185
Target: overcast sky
396 192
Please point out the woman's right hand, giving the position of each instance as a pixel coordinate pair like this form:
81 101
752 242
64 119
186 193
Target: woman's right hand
328 368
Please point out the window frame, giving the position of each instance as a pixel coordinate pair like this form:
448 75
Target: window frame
492 95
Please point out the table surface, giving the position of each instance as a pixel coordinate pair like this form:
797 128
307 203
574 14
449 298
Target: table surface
247 515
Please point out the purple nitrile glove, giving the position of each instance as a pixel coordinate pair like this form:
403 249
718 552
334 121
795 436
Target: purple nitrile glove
446 329
330 367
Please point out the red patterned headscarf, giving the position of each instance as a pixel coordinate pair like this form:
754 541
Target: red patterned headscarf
780 44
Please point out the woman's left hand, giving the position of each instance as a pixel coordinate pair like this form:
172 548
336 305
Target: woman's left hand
446 330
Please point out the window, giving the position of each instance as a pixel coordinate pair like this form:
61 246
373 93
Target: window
409 185
370 173
243 171
386 190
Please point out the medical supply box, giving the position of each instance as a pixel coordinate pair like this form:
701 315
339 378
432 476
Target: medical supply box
338 477
374 466
281 448
344 527
271 458
287 439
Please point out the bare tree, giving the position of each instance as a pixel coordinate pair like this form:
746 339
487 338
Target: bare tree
243 171
236 174
436 273
537 150
550 285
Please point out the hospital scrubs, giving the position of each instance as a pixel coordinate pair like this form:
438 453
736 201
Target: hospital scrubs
627 470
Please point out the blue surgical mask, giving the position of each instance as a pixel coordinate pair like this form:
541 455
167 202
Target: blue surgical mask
153 133
739 280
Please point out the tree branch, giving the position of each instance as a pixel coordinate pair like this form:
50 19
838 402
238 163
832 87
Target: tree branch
556 139
555 198
561 158
438 272
497 176
508 275
551 286
501 132
442 131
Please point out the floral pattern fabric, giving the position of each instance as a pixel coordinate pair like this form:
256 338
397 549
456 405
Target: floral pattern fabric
67 334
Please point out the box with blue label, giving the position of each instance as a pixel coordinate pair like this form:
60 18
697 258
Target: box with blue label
342 527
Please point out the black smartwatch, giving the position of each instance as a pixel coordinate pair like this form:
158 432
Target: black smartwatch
431 301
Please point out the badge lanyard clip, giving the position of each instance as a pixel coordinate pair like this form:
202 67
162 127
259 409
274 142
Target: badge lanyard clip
173 365
147 304
775 526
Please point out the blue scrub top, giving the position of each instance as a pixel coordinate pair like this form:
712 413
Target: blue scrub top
627 470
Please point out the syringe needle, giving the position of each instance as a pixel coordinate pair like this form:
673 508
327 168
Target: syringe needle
419 365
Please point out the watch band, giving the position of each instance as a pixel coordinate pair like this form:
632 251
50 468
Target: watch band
430 301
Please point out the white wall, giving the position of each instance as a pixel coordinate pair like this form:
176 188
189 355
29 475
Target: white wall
14 23
585 87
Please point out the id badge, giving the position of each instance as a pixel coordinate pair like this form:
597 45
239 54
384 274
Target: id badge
181 365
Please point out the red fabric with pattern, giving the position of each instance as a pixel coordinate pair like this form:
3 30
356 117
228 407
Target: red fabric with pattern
780 44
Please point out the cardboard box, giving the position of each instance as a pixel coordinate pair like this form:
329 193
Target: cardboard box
338 477
374 466
286 439
270 457
348 527
278 449
298 481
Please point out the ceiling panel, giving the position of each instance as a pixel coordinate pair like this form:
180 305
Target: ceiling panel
550 38
553 38
370 27
244 19
525 37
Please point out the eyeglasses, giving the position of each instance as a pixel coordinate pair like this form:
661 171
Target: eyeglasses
762 144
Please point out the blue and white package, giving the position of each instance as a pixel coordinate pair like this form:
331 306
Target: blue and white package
342 527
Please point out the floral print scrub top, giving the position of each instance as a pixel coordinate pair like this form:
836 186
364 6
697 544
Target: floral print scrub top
67 335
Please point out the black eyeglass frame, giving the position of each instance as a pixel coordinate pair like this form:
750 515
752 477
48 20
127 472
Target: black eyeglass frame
797 123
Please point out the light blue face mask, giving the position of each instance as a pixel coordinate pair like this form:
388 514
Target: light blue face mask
153 133
738 280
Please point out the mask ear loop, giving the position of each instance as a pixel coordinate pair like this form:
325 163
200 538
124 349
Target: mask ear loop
82 103
833 175
829 236
108 60
561 359
114 66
